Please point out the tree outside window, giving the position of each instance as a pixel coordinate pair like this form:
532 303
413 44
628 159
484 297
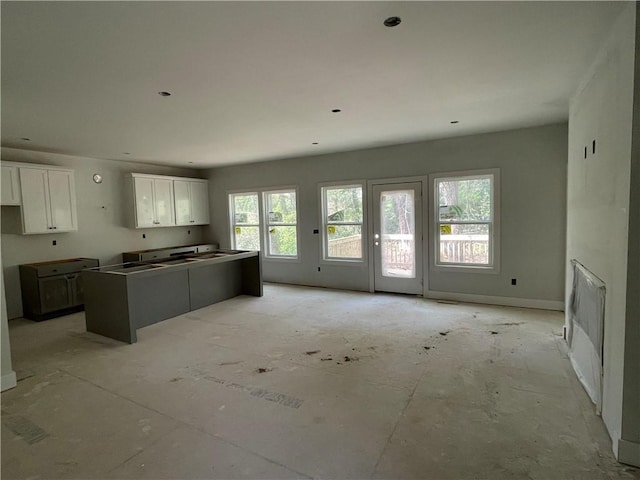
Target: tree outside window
465 220
281 220
343 219
245 221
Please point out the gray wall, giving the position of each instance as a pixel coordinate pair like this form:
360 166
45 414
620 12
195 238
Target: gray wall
631 391
598 195
8 379
102 229
533 174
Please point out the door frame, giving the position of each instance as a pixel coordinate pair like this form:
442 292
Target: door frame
426 228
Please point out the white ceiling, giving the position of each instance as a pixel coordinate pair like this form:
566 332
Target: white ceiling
254 81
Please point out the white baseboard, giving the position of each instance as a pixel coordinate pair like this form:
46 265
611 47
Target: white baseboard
629 452
495 300
8 381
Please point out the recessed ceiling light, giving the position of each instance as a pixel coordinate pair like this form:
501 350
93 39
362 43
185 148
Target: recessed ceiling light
26 139
314 143
392 22
164 94
336 110
455 121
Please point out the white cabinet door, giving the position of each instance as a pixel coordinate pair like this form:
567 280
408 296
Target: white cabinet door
181 191
62 200
36 214
163 202
200 203
143 196
10 186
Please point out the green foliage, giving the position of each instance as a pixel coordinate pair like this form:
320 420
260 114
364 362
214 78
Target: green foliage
246 204
397 211
465 200
281 209
344 205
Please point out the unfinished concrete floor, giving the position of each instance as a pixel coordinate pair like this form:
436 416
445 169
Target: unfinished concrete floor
305 383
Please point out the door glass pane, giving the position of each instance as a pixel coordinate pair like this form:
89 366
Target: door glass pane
464 244
282 240
398 228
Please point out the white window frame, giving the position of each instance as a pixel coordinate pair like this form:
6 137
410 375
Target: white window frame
264 221
267 224
325 259
232 217
494 223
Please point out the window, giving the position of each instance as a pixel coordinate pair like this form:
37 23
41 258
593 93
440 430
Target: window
466 220
281 220
245 221
342 222
265 217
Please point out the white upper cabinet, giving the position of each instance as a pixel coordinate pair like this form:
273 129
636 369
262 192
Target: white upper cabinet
192 201
48 200
161 201
143 197
153 201
10 186
181 192
200 202
62 200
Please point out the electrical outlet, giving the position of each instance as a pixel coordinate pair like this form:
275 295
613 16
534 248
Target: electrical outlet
188 232
318 268
54 242
514 281
144 235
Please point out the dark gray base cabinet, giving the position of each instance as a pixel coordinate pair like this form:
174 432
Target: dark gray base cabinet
119 303
52 289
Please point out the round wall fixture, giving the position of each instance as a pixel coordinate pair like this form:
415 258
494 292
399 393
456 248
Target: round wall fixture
97 178
392 22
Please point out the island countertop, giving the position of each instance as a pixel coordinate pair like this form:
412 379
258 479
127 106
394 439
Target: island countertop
119 299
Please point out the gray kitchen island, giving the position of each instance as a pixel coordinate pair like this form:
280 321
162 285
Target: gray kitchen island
119 299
